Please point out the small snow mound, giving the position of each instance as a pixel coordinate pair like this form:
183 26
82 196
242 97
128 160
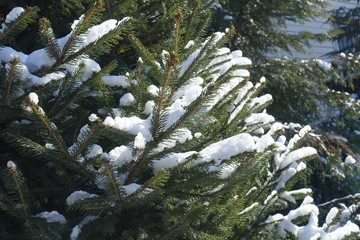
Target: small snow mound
78 196
11 164
34 98
127 100
52 217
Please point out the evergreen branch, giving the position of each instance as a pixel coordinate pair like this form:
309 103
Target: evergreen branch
7 199
184 118
49 39
177 35
138 165
118 132
161 99
112 180
155 182
83 23
120 4
18 188
19 24
108 68
49 128
11 76
336 200
108 6
86 140
72 164
188 28
102 41
145 53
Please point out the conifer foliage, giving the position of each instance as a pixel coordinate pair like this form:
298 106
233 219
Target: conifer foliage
178 147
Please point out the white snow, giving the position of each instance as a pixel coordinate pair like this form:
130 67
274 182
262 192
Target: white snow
132 125
38 59
50 146
96 32
11 164
119 81
197 135
228 148
36 81
350 160
78 196
170 161
52 217
7 54
127 100
153 90
248 209
131 188
264 142
296 155
34 98
93 117
93 151
330 216
139 142
120 155
149 107
189 44
228 17
77 229
15 13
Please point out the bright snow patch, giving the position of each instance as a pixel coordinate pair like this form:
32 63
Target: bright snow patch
132 125
350 160
127 100
78 196
149 107
131 188
15 13
51 217
34 98
93 151
228 148
120 155
77 229
119 81
171 160
139 142
11 164
93 117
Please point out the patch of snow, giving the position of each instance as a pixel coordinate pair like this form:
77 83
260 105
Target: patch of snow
11 164
127 100
170 161
93 117
228 148
350 160
77 229
131 188
149 107
132 125
13 14
118 81
52 217
34 98
120 155
93 151
189 44
139 142
78 196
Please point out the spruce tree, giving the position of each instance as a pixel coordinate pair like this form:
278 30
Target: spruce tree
179 146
